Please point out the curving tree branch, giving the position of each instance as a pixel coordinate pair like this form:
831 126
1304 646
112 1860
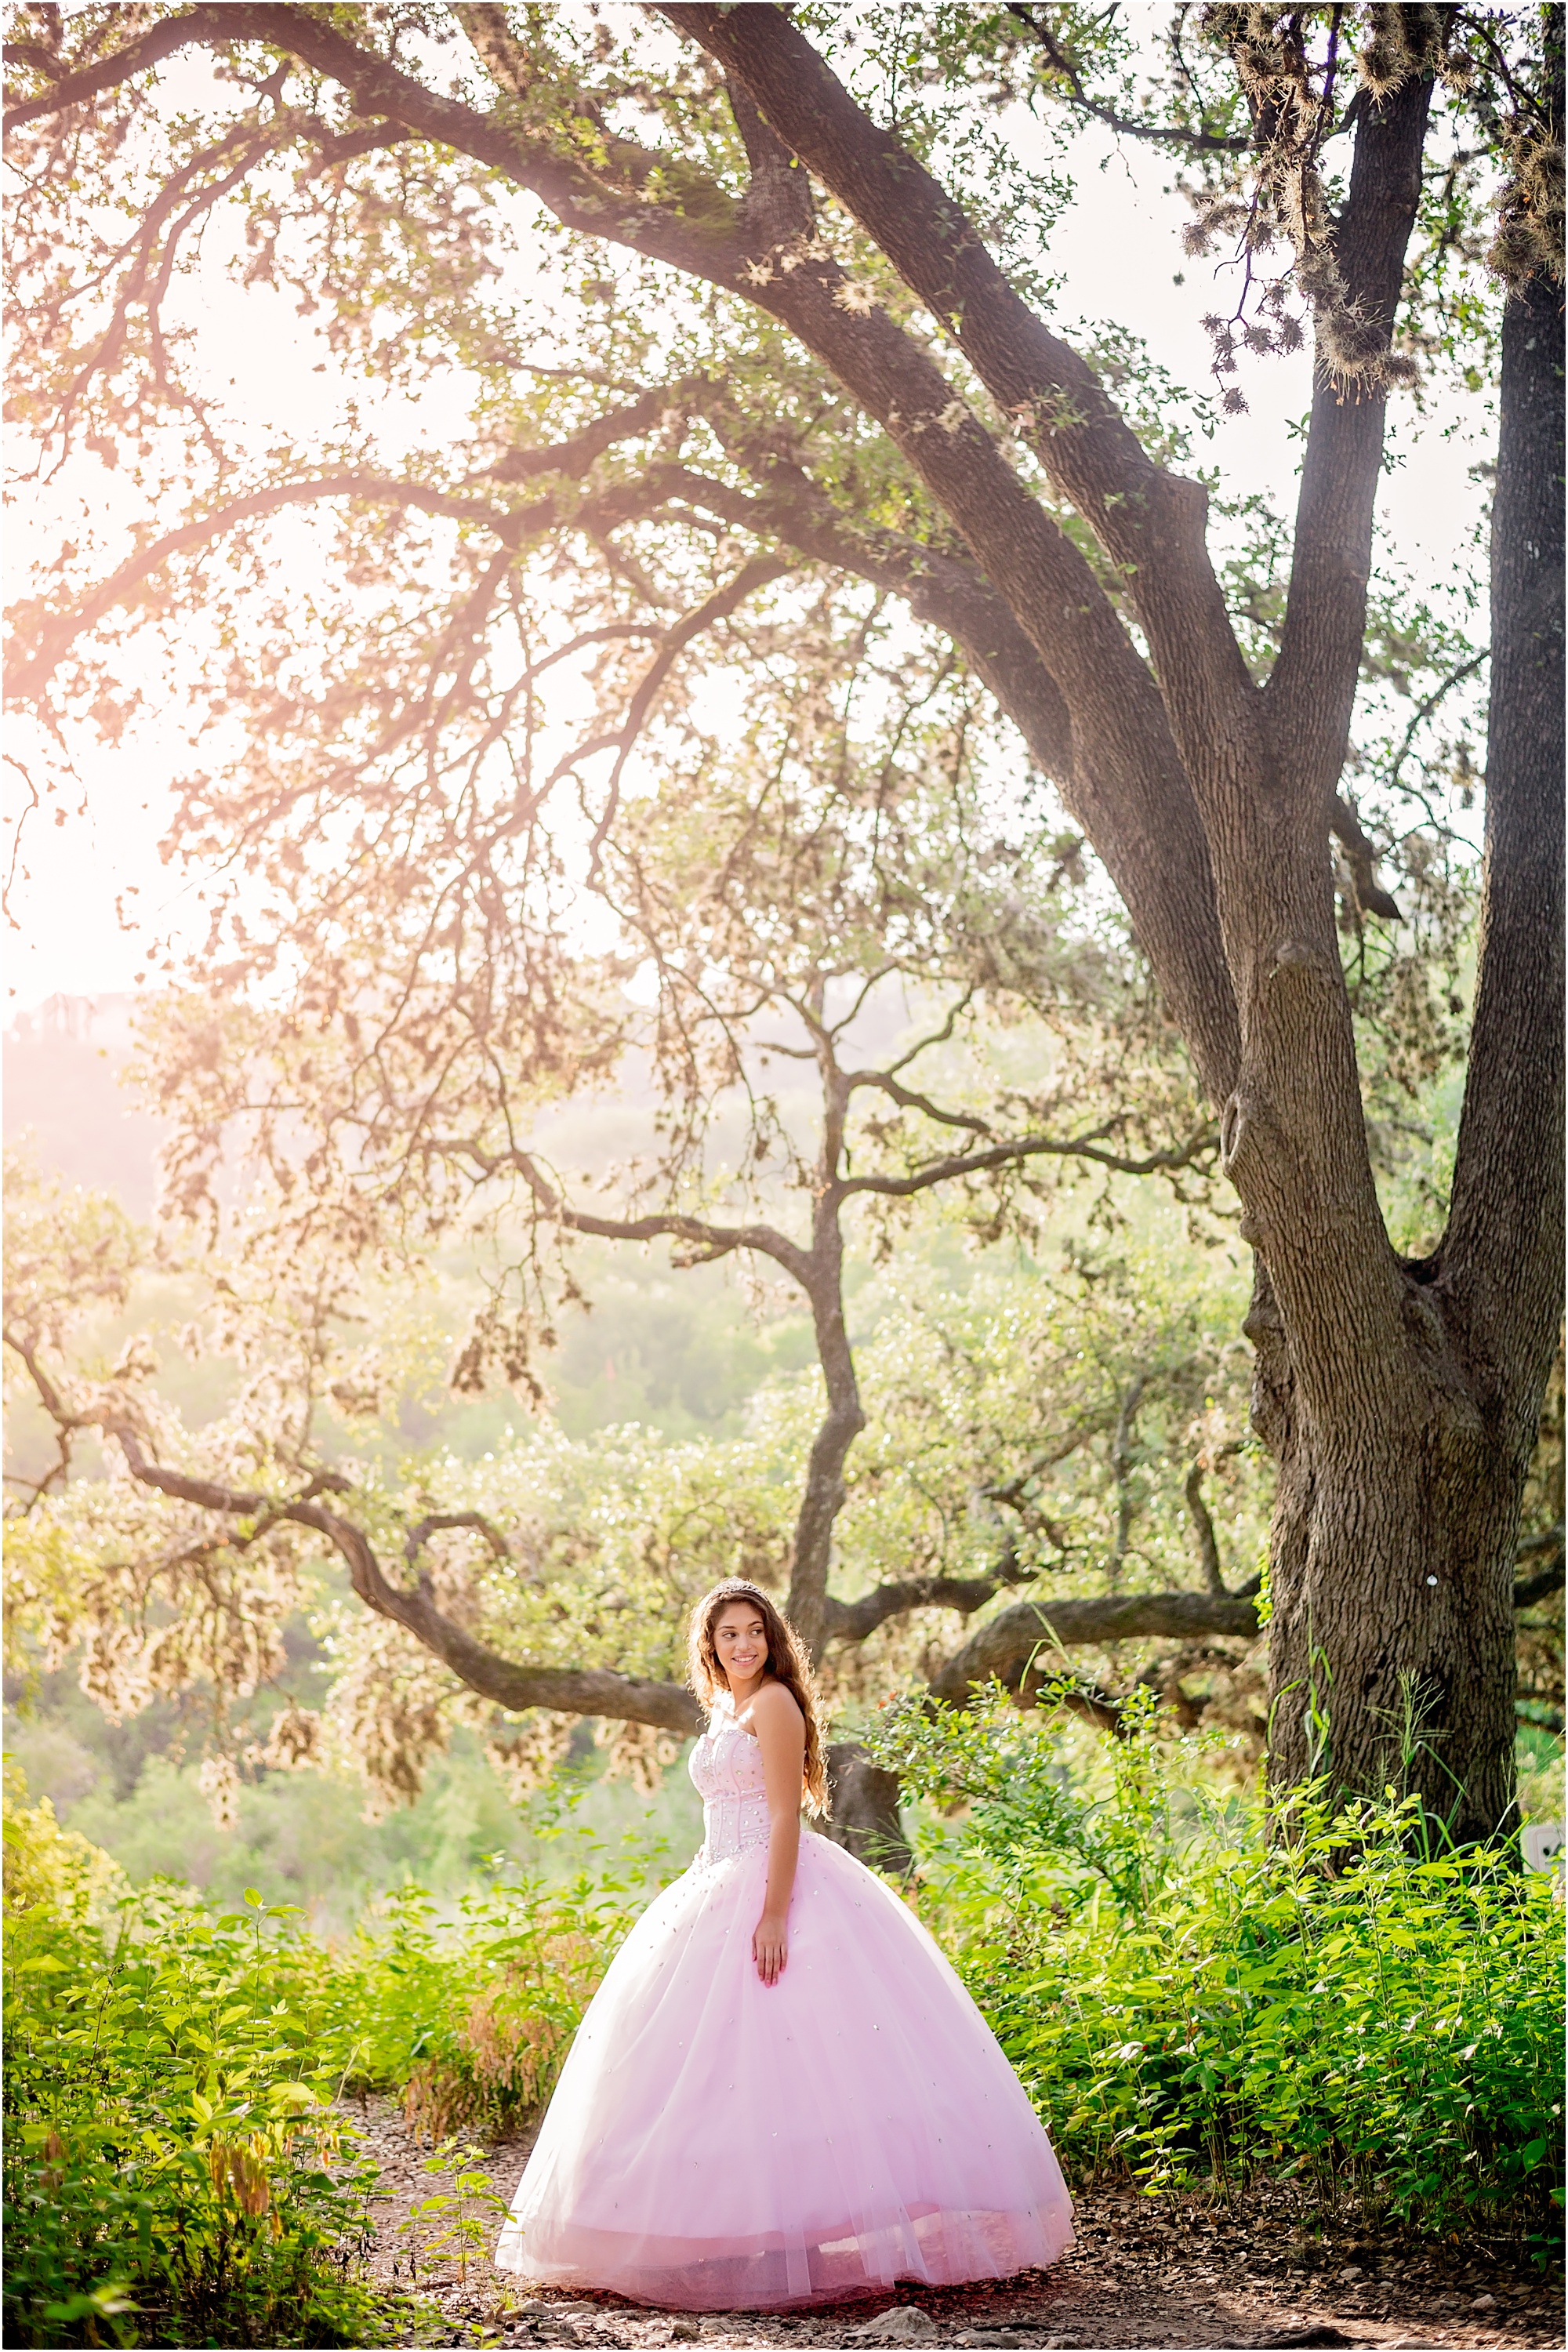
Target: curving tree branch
1005 1649
715 1241
57 634
1128 788
435 1522
1370 894
853 1620
164 40
1032 1147
569 1690
883 1082
754 574
1162 134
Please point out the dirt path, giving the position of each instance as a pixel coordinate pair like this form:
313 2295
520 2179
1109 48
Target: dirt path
1145 2271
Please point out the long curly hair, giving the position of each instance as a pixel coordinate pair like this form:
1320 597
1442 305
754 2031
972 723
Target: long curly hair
787 1663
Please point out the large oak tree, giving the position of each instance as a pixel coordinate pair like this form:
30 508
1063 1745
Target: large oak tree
1005 496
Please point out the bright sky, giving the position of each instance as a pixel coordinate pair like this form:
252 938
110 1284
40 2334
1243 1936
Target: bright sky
1119 254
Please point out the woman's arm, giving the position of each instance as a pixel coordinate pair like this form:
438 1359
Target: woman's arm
781 1736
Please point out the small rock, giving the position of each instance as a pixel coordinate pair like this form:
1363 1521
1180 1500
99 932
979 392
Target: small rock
1484 2302
905 2324
684 2331
993 2335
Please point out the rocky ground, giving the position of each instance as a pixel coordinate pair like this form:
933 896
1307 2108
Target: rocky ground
1145 2271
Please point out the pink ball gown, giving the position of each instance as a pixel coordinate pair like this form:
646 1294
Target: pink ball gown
718 2143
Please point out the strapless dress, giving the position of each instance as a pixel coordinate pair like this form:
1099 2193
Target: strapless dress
718 2143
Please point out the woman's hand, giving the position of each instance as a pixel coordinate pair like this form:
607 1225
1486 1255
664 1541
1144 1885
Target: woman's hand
769 1947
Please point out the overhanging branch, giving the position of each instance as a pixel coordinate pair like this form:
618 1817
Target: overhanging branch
754 574
1162 134
1004 1650
419 1535
503 1681
853 1620
716 1241
507 1684
164 40
57 636
1362 858
907 1099
1031 1147
1127 789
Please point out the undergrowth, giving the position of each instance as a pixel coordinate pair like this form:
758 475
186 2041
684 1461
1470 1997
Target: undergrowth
175 2171
1195 1986
1198 1987
180 2166
467 2019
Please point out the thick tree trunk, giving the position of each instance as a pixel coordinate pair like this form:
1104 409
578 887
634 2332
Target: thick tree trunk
1392 1570
1391 1579
1400 1402
863 1809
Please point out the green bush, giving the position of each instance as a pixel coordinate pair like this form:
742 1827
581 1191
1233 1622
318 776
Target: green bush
174 2170
48 1865
178 2165
468 2019
1196 1986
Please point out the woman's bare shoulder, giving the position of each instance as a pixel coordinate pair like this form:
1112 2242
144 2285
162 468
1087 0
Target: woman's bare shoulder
774 1704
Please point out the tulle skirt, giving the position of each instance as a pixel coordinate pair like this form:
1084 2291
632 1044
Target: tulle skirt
718 2144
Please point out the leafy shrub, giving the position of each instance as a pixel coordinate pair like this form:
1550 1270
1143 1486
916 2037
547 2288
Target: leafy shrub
469 2019
1190 1985
177 2165
174 2171
47 1865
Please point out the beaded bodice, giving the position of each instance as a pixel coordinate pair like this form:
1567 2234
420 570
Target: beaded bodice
726 1772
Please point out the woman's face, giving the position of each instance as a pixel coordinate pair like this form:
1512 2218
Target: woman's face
740 1640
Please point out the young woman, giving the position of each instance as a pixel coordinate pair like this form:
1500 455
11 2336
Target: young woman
781 2093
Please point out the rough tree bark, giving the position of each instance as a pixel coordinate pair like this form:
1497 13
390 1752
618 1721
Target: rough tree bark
1401 1463
1396 1525
863 1809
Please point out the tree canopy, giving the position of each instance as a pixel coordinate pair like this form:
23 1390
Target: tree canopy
802 620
